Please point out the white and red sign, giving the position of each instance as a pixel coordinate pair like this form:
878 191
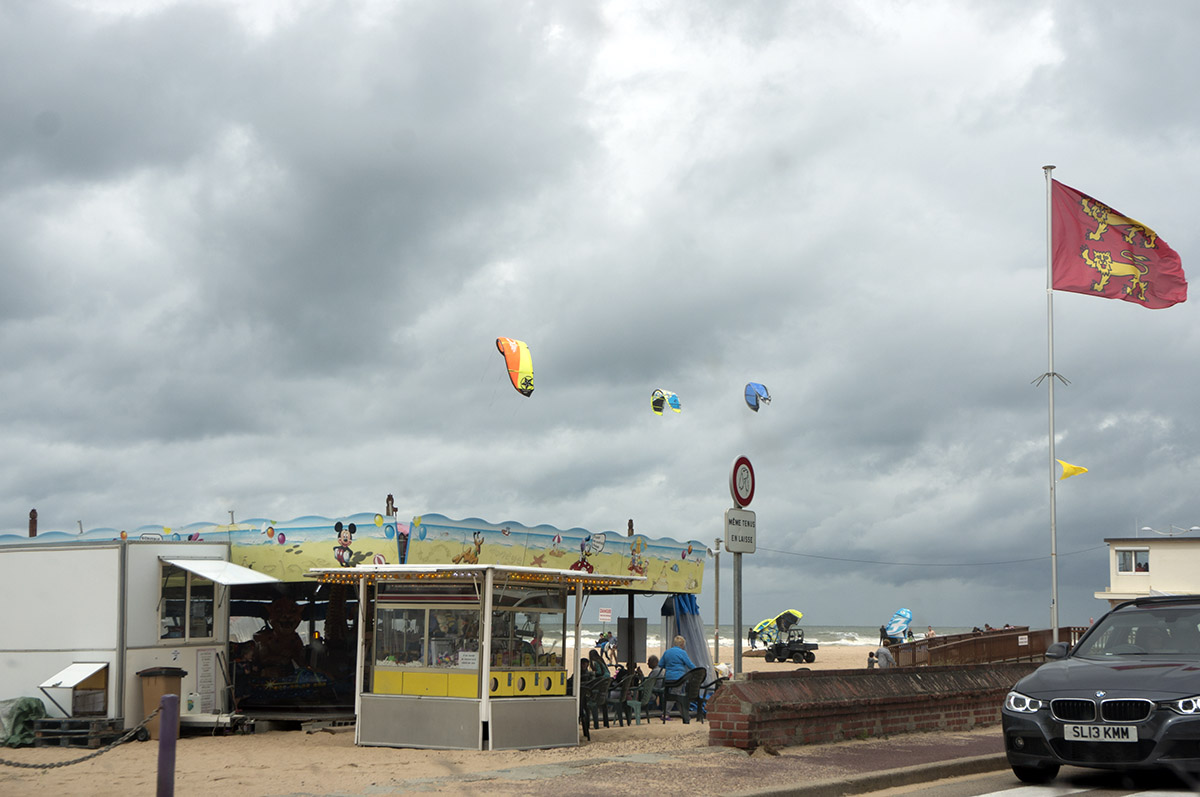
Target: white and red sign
606 615
741 482
740 531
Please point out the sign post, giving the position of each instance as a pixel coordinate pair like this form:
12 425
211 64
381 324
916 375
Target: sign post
741 488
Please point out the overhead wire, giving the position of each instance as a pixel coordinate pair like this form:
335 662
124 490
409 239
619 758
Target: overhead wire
925 564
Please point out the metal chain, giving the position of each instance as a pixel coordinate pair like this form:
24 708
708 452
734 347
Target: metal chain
120 740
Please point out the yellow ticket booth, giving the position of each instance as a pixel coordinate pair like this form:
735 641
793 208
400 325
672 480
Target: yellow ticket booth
466 657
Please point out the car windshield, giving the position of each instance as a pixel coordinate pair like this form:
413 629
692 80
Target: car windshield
1171 631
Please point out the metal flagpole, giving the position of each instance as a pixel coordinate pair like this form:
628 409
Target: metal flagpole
1050 373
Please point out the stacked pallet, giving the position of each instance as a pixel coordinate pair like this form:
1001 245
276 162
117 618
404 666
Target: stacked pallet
91 732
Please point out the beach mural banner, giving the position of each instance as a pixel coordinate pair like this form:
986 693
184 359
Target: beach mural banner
668 566
286 549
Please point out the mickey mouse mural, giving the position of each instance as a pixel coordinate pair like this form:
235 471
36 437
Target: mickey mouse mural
341 551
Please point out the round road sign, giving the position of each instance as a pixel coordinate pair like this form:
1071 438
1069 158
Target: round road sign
741 482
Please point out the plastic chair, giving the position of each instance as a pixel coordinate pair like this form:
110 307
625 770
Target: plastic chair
683 691
583 708
595 699
643 697
706 694
618 697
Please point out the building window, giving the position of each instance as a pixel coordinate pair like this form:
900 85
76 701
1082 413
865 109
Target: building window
1133 561
186 605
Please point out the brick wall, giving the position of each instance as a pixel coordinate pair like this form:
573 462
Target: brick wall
810 707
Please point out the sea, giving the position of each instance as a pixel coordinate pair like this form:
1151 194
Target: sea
825 635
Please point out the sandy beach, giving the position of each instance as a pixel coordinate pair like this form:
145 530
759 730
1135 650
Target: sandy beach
299 763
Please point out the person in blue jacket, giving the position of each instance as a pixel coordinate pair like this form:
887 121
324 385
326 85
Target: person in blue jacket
675 662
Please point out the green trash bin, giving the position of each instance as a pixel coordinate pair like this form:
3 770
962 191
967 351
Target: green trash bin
156 682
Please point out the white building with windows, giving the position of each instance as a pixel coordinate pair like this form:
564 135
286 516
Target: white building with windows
104 611
1142 566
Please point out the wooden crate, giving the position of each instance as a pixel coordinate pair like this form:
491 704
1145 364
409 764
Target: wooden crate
73 732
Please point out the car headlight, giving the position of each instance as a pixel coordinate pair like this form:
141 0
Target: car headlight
1185 705
1023 704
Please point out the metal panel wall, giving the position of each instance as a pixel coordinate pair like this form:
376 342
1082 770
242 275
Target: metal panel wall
59 598
519 723
434 722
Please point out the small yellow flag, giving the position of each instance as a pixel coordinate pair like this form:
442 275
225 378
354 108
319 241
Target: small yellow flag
1070 470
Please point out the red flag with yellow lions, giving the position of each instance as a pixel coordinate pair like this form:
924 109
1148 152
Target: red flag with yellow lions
1100 252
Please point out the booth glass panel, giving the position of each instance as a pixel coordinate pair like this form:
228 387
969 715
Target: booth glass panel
454 638
173 603
186 605
527 639
200 607
400 637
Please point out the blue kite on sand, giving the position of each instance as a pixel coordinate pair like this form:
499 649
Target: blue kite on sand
898 624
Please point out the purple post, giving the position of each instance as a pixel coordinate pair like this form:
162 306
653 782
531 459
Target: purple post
168 731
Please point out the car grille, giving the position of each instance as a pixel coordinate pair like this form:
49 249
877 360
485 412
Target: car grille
1072 710
1091 753
1080 710
1125 710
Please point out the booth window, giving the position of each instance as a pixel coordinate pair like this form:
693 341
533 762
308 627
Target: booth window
427 637
529 630
400 636
186 605
1133 561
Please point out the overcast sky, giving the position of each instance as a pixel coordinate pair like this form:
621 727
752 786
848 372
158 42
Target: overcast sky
257 260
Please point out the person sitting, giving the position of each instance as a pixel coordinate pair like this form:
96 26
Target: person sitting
675 662
655 670
1153 639
596 666
674 665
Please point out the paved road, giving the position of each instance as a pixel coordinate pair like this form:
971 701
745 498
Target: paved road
1074 781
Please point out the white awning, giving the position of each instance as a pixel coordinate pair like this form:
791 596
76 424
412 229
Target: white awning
220 571
73 675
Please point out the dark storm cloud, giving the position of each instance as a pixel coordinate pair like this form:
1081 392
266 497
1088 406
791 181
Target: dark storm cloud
257 258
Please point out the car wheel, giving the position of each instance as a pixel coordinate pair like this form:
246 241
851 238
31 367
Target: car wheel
770 657
798 658
809 656
1043 774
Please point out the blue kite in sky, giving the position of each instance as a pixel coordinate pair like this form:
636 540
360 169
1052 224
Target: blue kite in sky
756 393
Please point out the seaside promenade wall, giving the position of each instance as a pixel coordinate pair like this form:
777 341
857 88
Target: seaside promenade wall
812 707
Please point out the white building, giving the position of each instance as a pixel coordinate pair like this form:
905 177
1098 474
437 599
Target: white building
1142 566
